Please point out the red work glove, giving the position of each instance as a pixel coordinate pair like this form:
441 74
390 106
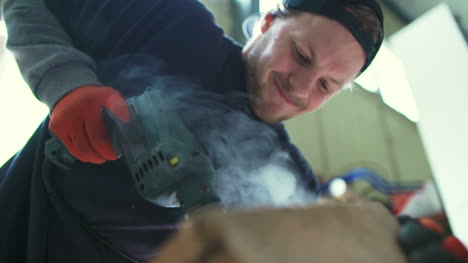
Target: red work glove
77 120
426 241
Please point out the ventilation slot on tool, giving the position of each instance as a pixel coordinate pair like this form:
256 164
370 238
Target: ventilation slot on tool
155 160
161 156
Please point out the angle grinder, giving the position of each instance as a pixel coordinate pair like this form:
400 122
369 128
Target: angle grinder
168 166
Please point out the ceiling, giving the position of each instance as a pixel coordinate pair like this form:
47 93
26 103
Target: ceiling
409 10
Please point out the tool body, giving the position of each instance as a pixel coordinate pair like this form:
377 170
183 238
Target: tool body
167 164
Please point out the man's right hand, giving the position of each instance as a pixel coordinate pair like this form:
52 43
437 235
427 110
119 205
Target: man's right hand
77 120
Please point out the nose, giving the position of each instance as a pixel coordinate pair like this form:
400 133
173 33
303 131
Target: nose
303 82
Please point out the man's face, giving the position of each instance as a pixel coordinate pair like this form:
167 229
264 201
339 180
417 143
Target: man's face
297 63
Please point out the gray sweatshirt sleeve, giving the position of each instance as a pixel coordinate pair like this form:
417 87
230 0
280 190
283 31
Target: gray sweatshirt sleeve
45 54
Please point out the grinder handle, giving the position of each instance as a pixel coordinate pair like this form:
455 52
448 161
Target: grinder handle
58 154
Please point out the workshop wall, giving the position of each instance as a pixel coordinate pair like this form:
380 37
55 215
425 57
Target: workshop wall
356 129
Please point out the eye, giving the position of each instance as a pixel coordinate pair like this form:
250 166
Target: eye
300 57
323 87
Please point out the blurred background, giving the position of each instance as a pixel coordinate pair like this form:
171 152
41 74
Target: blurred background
404 122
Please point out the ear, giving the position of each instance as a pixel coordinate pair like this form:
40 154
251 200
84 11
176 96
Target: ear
267 21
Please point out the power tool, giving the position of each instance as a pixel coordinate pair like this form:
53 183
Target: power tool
167 164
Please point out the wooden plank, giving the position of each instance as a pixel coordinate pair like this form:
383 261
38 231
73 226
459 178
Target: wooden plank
358 232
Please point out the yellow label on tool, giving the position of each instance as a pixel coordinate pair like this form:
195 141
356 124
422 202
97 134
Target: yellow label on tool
174 161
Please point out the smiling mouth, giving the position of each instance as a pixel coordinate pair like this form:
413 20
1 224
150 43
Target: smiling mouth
284 95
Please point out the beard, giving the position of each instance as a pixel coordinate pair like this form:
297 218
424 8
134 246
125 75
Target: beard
253 85
256 88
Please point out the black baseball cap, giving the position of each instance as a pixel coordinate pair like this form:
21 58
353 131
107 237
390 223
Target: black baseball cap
335 9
